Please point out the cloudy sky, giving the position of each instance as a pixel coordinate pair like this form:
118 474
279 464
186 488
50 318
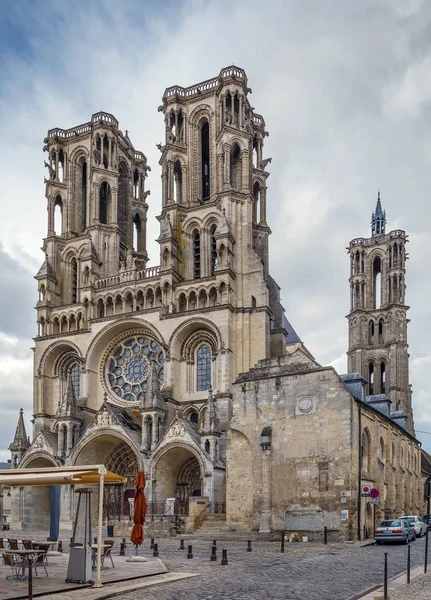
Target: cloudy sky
344 87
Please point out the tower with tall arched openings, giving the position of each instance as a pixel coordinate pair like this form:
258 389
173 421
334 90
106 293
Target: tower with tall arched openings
378 347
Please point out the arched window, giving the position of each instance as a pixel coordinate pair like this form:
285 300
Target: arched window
377 281
194 417
370 379
122 198
213 248
235 168
104 198
58 215
83 202
256 201
382 449
178 181
137 233
196 254
75 377
205 160
371 333
61 172
149 424
207 446
382 378
74 265
366 450
380 330
105 154
395 251
136 184
203 359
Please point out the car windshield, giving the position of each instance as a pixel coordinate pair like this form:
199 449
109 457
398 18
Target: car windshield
390 524
411 519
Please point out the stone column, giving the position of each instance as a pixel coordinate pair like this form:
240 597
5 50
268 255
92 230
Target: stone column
263 205
221 112
245 158
51 210
60 441
114 206
265 514
240 119
184 199
144 433
69 438
109 152
224 110
164 188
170 182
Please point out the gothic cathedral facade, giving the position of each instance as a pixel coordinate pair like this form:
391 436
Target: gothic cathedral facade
189 370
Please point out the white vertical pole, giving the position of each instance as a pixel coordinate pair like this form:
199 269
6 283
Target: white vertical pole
99 532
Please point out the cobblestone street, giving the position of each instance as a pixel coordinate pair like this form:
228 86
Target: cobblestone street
305 572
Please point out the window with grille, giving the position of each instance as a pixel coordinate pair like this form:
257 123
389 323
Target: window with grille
196 254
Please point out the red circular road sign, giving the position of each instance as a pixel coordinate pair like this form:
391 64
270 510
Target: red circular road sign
374 493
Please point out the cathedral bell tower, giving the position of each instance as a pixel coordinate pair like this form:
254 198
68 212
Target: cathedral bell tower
378 346
97 214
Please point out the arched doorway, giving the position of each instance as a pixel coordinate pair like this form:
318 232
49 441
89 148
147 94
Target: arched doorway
33 503
178 475
121 458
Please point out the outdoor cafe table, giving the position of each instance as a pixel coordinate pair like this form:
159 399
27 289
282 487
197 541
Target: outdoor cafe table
28 557
45 544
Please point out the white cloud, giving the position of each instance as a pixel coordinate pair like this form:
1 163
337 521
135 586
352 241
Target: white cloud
345 95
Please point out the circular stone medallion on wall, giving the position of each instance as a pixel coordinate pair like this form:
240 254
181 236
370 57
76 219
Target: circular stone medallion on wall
305 405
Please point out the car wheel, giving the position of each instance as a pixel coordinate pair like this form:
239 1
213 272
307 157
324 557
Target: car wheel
414 537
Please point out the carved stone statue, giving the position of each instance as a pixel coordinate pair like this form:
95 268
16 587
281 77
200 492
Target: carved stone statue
129 258
265 162
161 147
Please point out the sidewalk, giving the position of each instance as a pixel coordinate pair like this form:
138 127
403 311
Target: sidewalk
419 587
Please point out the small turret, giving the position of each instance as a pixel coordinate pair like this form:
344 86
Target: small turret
20 442
153 411
378 219
210 430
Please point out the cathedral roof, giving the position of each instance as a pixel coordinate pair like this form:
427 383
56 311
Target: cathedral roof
20 441
46 271
292 337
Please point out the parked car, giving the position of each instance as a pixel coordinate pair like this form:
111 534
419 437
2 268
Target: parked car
394 530
418 524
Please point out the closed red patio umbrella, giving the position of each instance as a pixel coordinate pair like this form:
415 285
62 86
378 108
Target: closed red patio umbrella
139 512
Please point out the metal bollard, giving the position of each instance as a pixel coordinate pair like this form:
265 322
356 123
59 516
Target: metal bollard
71 542
325 535
282 543
224 558
248 545
152 543
124 542
60 546
181 544
213 553
385 578
122 550
30 579
408 563
156 550
190 552
215 543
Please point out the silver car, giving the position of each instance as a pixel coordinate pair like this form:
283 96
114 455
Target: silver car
418 524
394 530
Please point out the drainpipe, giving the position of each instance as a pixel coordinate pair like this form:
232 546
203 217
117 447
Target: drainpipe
359 468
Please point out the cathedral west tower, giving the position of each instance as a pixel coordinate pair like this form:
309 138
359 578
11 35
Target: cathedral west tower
378 346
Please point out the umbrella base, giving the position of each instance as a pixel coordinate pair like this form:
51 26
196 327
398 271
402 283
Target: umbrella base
135 558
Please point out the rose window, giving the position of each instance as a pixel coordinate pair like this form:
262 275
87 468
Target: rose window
129 366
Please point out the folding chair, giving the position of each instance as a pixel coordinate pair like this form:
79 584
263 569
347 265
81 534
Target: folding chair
14 563
41 560
13 544
107 551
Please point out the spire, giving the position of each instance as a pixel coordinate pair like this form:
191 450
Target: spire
67 408
210 423
378 218
152 397
20 441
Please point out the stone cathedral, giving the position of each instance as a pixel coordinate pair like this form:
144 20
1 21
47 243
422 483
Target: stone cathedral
189 370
